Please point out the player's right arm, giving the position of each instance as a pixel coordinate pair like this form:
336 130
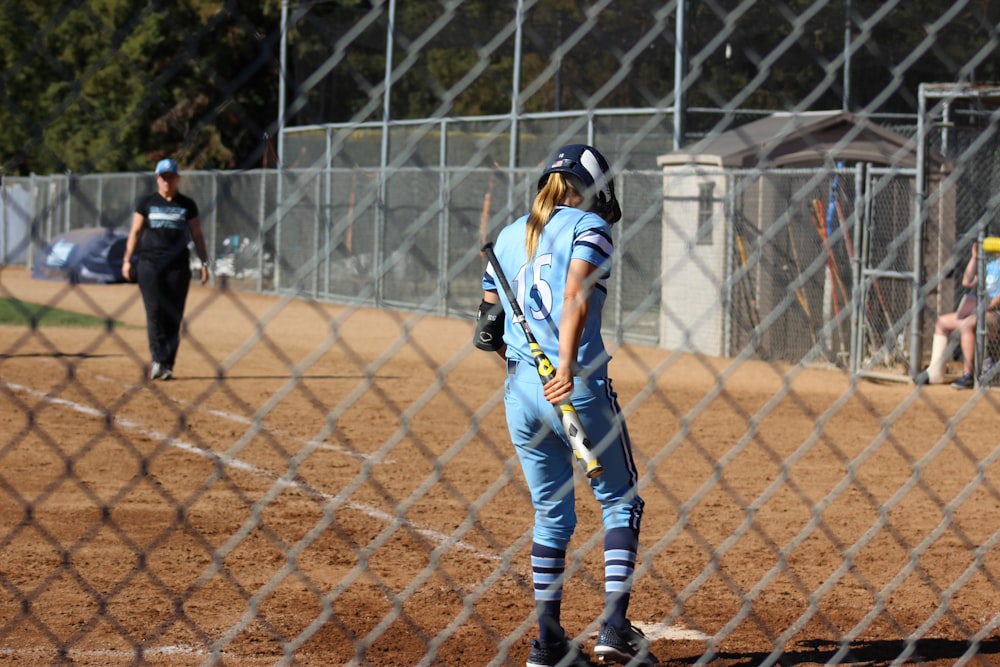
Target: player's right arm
576 307
138 225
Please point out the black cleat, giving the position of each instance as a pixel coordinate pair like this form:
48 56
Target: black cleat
964 382
563 654
628 646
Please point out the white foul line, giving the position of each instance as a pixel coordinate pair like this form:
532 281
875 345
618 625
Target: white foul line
240 419
369 510
653 631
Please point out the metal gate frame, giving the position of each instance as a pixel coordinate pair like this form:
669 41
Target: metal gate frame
892 345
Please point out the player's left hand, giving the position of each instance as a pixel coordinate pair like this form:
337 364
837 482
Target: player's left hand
204 274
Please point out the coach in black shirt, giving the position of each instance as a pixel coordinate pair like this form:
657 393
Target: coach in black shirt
163 224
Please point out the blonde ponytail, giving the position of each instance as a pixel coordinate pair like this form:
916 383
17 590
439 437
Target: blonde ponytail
551 195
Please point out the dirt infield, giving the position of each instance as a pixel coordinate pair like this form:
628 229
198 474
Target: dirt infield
328 485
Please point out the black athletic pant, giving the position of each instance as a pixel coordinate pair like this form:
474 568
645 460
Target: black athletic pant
164 292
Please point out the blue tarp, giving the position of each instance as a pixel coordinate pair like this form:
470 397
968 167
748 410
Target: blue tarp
92 255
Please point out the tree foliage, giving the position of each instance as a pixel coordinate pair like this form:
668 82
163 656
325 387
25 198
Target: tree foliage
113 85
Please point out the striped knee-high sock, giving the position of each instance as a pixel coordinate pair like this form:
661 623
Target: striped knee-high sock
620 545
548 567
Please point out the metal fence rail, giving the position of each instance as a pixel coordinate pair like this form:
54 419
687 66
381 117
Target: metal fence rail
332 239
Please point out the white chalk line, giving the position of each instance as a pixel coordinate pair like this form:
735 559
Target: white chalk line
653 631
107 652
245 421
238 464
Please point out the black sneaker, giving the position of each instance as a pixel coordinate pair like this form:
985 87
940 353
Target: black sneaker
922 378
964 382
563 654
989 373
628 646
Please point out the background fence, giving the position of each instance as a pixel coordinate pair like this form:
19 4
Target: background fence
406 238
329 481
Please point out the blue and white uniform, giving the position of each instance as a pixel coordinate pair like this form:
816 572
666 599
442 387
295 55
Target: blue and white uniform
539 284
535 429
993 278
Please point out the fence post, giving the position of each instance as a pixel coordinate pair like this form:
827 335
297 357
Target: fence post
857 292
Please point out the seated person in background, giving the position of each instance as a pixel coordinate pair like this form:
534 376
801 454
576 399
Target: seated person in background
964 321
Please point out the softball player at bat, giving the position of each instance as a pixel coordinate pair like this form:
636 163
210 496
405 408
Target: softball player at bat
557 260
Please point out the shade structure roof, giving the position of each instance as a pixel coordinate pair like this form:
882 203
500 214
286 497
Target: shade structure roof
803 139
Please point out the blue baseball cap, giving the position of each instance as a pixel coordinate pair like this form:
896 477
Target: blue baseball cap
166 166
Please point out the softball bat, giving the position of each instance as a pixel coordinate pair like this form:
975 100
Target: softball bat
572 426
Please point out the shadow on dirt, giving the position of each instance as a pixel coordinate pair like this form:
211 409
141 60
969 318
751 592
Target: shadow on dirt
867 653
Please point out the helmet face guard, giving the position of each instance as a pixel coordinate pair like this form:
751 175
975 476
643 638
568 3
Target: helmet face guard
587 167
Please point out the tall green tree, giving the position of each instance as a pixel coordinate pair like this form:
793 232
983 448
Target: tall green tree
113 85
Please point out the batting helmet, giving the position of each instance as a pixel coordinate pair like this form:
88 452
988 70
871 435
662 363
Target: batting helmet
588 167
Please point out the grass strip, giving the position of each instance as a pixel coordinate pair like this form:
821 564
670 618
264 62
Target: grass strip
24 313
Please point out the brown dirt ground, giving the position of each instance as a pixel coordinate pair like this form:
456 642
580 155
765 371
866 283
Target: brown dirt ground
333 485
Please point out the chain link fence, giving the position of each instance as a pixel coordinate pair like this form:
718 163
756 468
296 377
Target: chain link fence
328 479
